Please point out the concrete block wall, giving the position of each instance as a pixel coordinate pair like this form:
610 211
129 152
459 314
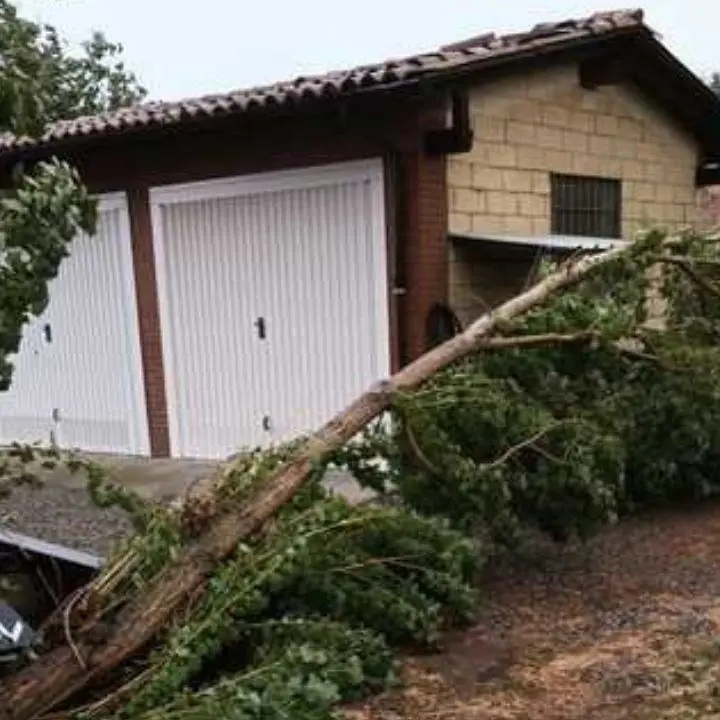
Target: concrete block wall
531 125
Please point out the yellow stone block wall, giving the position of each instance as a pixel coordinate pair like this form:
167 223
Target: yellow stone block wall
528 126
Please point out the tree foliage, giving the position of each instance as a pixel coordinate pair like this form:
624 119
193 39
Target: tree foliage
37 224
300 618
567 437
42 80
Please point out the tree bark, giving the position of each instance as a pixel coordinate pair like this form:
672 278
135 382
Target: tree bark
58 675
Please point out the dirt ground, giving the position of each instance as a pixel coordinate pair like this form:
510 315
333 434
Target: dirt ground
626 626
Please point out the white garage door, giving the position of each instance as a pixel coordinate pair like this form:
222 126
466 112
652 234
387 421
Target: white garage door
78 373
273 298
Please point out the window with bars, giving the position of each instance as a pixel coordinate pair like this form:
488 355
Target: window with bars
587 206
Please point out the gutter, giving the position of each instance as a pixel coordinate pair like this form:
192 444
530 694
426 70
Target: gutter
41 547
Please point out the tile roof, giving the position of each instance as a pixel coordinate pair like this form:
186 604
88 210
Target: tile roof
470 53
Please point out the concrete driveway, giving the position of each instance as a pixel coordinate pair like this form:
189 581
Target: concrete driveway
164 479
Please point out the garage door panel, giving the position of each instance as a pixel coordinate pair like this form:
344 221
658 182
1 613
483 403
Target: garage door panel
82 356
26 408
325 348
94 377
308 259
209 310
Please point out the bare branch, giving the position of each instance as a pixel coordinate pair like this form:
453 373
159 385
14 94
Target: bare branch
510 452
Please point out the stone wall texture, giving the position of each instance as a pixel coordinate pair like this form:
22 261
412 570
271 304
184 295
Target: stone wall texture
531 125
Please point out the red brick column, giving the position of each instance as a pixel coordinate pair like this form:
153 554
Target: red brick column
149 320
425 251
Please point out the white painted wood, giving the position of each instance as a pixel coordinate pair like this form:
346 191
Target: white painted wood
304 250
90 372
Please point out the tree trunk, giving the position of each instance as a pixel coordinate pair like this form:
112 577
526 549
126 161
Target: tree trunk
58 675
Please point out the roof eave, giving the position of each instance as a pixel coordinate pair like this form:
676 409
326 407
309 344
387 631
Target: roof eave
44 147
428 80
682 92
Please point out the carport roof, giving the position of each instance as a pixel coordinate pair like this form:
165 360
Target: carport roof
452 62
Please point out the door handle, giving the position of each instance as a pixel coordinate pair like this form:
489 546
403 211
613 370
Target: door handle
47 331
260 325
266 423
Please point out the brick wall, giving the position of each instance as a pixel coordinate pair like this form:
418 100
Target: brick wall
426 257
149 320
542 122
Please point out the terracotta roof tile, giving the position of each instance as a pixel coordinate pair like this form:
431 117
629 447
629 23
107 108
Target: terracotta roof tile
472 52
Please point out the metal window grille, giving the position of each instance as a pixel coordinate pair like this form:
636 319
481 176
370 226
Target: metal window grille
587 206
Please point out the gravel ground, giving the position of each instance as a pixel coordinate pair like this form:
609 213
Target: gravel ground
65 516
61 512
625 627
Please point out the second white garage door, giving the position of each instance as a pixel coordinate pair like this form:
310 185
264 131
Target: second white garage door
273 299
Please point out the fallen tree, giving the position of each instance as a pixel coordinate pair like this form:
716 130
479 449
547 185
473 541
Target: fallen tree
116 620
64 671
